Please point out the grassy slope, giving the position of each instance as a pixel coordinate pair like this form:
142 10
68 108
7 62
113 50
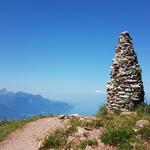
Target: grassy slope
120 131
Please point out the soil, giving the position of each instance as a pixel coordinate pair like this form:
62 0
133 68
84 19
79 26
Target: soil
28 137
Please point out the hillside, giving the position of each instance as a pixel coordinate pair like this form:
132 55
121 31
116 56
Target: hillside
128 130
21 105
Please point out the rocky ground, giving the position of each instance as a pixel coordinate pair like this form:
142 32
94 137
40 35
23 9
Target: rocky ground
85 133
87 129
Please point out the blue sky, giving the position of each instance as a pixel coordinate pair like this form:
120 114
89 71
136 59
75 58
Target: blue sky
63 49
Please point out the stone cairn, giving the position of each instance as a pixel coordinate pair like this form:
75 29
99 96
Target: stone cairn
125 88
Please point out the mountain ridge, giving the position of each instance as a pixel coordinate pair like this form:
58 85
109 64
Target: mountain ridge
21 104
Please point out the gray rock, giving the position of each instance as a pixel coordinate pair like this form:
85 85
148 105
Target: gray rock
131 81
121 93
61 117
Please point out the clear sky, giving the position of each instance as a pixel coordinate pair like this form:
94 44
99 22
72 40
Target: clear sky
63 49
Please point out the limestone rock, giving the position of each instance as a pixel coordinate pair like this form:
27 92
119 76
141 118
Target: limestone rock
142 123
89 148
81 132
73 141
125 88
128 113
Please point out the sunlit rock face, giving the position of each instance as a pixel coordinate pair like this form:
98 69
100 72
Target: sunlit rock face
125 87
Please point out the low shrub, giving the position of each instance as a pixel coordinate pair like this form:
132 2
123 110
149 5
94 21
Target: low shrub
94 123
97 123
102 111
54 140
77 122
117 136
69 131
143 108
85 143
145 132
58 139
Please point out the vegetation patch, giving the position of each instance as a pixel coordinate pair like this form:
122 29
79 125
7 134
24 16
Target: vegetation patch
55 140
145 133
102 111
122 132
58 139
85 143
117 136
93 123
143 108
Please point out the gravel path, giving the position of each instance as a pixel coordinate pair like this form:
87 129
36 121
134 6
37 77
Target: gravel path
27 138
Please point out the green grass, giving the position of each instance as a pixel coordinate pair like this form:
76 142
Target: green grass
118 137
145 132
58 139
55 140
8 126
94 123
102 111
143 109
85 143
119 129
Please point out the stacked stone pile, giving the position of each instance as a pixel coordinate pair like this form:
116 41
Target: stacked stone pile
125 88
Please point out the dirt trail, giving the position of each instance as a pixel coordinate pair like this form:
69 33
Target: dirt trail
27 138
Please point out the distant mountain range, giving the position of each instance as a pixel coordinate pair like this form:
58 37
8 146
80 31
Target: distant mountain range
22 105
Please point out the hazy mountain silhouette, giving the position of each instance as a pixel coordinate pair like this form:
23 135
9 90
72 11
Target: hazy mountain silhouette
20 105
